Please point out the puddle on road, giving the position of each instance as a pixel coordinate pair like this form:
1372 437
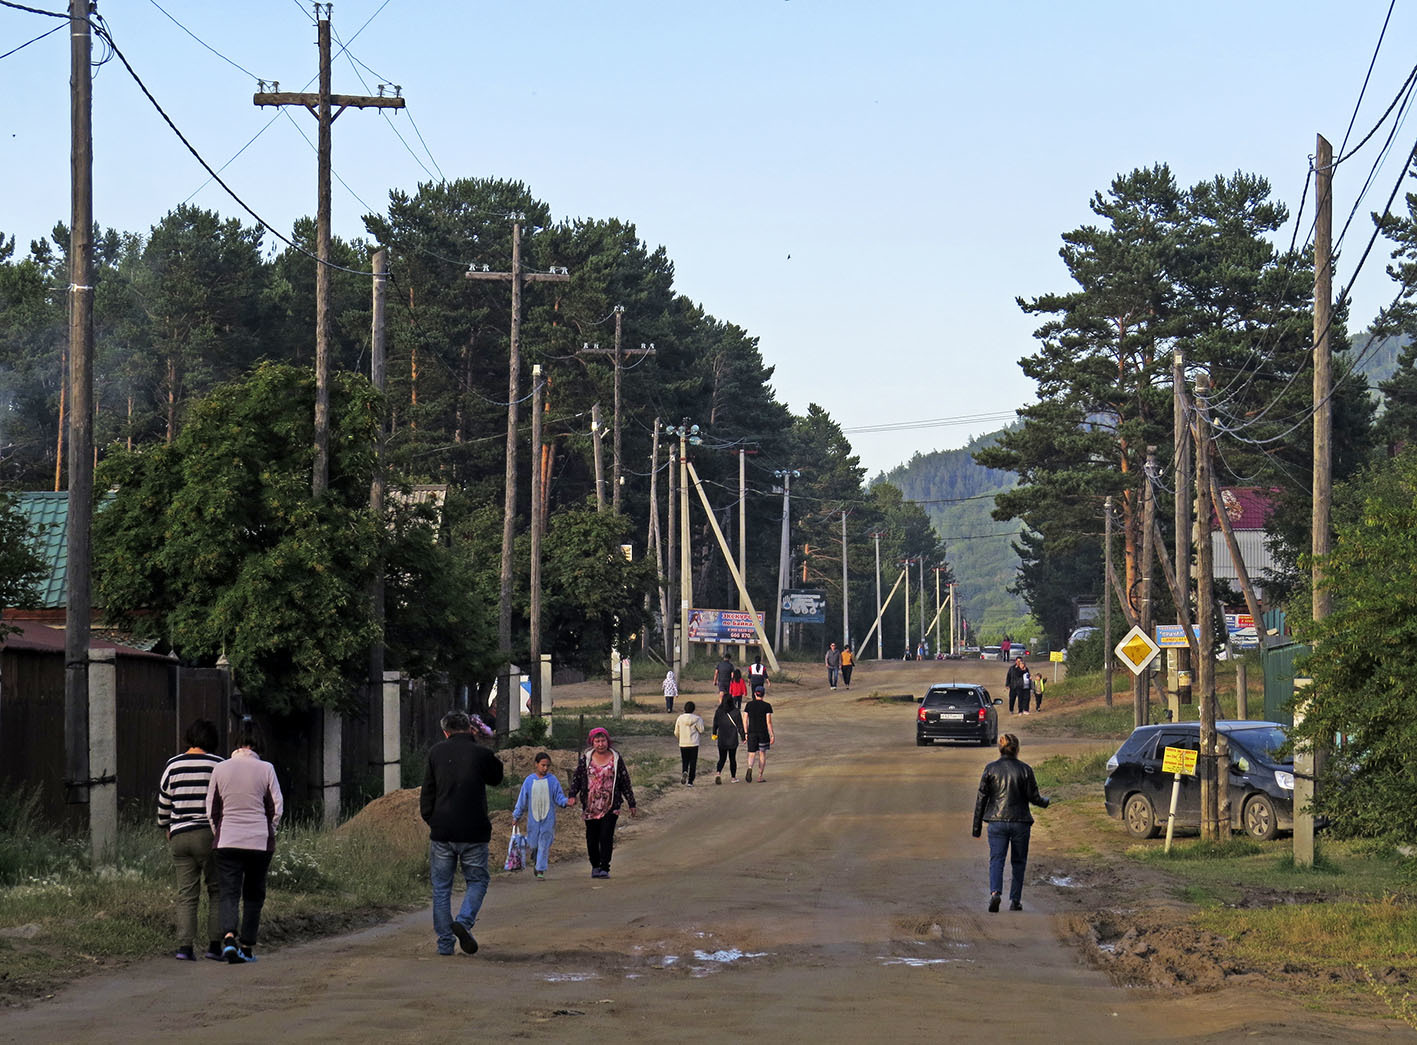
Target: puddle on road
568 977
918 963
1062 881
732 954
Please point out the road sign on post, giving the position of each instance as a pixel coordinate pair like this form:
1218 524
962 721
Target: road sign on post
1136 650
1177 761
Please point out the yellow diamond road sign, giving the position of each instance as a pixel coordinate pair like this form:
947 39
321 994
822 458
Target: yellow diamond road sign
1137 650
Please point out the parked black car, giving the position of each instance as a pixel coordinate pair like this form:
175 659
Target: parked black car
1261 781
957 711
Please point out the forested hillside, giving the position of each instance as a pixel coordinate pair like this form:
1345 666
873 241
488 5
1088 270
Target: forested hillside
957 495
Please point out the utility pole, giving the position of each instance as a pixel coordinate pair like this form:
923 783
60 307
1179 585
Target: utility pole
920 595
1323 374
954 616
673 650
784 554
1181 438
534 653
618 356
1107 653
742 539
906 564
1205 594
688 434
845 616
937 570
595 430
516 277
1141 684
876 536
378 378
320 105
655 542
80 380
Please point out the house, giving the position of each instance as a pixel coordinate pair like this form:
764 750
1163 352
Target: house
1248 509
46 514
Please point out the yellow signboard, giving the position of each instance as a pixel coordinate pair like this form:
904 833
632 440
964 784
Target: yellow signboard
1179 760
1056 656
1136 650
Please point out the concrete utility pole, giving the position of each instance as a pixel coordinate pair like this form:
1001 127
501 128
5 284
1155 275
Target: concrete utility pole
1107 654
1205 610
538 387
688 434
618 355
784 554
1181 438
1323 372
320 105
938 570
954 616
920 595
80 380
876 536
516 277
673 650
742 540
905 564
595 430
655 542
845 591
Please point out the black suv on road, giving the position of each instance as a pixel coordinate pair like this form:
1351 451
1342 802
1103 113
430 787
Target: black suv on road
1261 781
957 711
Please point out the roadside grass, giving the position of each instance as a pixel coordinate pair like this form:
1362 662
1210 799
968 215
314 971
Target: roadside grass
1057 770
569 728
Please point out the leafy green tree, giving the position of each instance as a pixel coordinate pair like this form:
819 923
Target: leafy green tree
21 568
1360 690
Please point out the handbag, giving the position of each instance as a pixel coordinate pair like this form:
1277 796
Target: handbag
516 848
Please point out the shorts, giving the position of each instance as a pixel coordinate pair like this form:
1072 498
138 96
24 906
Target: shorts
756 743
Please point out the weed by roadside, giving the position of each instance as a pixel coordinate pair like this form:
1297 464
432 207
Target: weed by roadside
1067 769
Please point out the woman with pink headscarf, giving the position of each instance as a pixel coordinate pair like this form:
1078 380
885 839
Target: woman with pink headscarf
601 784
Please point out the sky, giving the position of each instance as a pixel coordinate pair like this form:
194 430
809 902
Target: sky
865 187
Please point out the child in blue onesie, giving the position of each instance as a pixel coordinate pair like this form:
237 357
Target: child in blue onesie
540 795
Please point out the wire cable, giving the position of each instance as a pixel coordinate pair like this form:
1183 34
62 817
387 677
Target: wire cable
37 39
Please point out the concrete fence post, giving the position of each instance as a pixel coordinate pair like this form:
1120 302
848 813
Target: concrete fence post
332 752
103 755
393 735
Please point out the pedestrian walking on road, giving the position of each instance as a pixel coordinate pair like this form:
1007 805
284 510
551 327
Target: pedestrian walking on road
727 728
758 715
1037 692
541 793
671 690
689 727
1017 682
848 662
757 679
723 674
453 803
244 805
833 665
601 784
1006 790
737 689
182 811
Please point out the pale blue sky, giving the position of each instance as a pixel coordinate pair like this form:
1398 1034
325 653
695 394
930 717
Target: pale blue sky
918 161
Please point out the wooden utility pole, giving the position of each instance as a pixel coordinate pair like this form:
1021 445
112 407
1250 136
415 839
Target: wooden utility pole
1323 373
617 355
595 430
655 542
742 541
378 378
1205 611
534 669
880 653
516 277
1141 684
846 588
321 105
673 650
1107 654
1181 439
78 596
686 576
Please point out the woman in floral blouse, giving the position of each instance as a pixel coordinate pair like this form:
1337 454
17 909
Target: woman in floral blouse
601 784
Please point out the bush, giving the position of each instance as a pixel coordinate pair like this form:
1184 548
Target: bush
1087 654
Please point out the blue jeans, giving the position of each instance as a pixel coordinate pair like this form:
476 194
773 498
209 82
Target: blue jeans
1006 835
831 677
443 860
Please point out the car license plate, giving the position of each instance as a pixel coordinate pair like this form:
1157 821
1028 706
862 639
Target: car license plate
952 716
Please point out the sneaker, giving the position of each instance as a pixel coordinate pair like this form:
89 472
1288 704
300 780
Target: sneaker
246 955
599 873
229 950
184 954
214 951
689 784
540 875
749 777
717 779
465 939
994 899
1015 905
684 778
733 780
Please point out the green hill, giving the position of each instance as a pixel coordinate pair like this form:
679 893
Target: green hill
958 496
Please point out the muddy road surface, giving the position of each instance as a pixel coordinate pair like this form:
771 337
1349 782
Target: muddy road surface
842 899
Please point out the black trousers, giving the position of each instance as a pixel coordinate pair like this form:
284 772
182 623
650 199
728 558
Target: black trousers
600 840
241 874
729 755
1019 697
846 670
689 757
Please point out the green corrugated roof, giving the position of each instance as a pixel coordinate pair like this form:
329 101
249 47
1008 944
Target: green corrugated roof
47 515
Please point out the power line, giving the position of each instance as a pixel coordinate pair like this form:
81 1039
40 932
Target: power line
37 39
209 47
935 422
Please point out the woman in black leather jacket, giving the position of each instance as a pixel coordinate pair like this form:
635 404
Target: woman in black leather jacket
1006 790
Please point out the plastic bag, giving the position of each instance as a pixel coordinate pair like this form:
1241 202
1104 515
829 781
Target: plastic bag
516 848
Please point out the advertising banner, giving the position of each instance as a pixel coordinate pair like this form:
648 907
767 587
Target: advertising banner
804 606
722 626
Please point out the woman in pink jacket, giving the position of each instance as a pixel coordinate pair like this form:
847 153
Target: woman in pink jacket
244 806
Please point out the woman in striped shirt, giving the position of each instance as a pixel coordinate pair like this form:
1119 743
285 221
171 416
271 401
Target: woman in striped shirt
182 812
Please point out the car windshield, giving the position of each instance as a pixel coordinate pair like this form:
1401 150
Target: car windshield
948 698
1264 742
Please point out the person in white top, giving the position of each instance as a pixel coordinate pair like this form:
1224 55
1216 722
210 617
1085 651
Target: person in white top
688 727
244 805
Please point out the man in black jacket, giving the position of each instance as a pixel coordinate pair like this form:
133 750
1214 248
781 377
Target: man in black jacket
454 805
1006 790
1018 682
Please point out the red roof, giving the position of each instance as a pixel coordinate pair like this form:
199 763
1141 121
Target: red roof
36 635
1249 507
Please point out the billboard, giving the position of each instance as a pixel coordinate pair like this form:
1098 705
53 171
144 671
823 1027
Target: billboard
804 606
722 626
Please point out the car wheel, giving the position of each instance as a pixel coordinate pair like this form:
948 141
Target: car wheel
1139 817
1261 821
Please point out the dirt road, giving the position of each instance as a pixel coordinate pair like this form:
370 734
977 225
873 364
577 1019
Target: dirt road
841 900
